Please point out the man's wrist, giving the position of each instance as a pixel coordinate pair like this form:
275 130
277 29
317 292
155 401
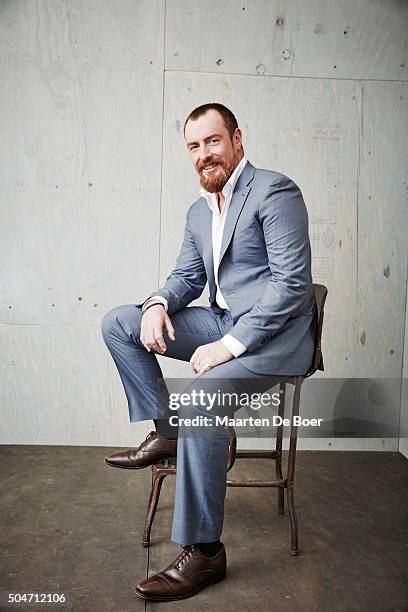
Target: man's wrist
155 299
234 346
150 305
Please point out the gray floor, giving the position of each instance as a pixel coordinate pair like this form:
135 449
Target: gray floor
70 524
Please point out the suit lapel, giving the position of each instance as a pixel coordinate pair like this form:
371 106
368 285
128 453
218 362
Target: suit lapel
241 191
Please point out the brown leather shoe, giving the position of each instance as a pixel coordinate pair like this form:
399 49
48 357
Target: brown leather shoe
152 449
189 573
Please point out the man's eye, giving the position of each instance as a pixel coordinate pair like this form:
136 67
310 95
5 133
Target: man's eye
214 140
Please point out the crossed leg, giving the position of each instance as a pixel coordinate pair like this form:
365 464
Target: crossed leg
139 370
202 451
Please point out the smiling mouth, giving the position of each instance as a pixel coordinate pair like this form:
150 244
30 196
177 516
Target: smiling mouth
210 167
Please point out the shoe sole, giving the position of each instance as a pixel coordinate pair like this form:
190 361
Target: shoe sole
135 467
217 578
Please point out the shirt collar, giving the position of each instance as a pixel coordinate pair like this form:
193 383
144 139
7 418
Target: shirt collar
229 185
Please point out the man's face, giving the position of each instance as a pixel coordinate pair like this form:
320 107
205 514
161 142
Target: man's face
213 153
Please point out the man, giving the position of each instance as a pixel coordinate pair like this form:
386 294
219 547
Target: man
247 235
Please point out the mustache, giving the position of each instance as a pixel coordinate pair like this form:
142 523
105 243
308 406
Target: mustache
212 160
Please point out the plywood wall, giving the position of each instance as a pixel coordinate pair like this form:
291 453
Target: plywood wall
95 179
81 112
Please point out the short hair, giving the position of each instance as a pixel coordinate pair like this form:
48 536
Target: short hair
228 116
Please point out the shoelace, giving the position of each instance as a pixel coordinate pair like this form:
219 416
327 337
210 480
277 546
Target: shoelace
132 453
186 554
152 434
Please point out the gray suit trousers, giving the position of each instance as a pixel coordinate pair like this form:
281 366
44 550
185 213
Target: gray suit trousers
202 451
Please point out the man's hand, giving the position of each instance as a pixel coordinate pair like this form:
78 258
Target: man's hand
210 355
154 320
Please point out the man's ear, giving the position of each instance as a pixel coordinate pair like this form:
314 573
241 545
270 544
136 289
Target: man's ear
238 137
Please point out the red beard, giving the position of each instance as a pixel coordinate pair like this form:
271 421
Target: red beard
214 181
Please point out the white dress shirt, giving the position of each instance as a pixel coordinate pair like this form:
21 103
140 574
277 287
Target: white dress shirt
218 222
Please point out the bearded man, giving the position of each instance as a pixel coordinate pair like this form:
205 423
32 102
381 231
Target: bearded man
247 235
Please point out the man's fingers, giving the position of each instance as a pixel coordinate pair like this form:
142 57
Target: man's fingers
198 365
195 365
169 328
194 356
155 347
152 344
151 334
155 341
204 367
152 340
197 361
143 341
148 345
160 342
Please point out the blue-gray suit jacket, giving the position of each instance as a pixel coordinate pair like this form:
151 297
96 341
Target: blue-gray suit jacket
264 272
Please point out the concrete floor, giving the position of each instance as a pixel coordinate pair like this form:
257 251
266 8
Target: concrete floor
70 524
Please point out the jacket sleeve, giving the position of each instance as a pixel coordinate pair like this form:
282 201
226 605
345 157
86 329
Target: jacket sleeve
284 219
188 279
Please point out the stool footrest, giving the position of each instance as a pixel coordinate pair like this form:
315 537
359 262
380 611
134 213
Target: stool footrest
257 454
257 483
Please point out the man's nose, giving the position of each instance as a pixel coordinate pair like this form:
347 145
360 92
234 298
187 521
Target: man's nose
204 153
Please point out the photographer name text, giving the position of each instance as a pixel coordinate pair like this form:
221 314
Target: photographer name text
225 421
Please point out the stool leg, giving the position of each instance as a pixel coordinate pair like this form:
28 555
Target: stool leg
232 448
152 507
278 460
294 544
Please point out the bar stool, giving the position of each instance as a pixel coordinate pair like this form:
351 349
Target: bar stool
167 467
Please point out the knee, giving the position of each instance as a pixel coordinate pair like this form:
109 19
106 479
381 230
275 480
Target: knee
127 317
195 407
109 322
